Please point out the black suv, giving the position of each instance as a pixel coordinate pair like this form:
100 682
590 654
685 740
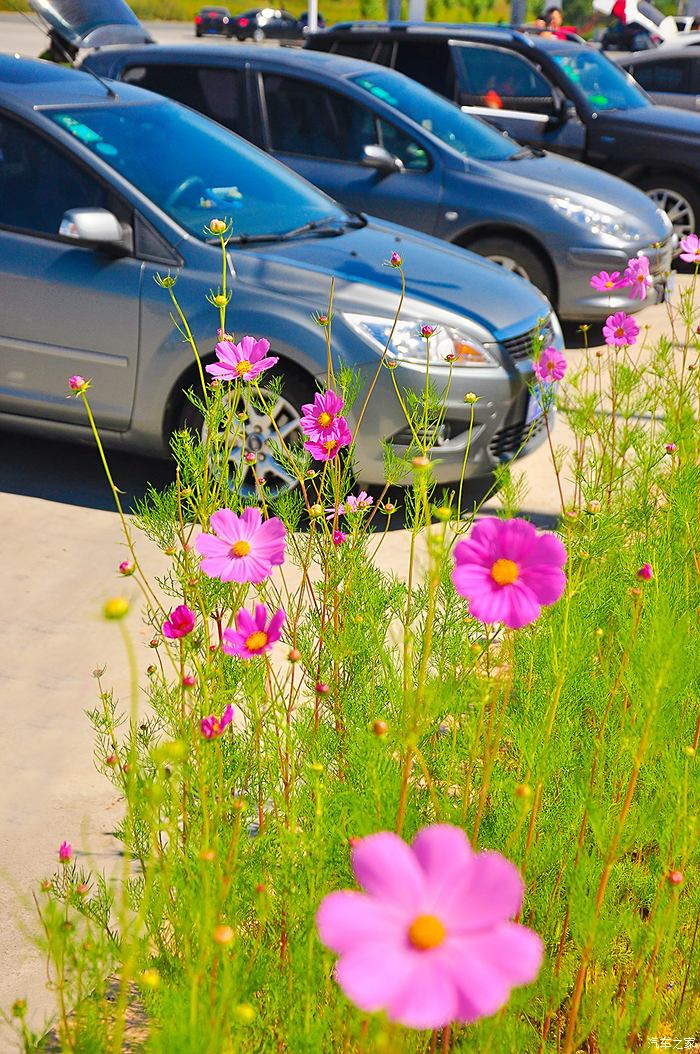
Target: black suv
549 93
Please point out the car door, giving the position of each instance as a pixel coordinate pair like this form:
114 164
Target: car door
65 309
321 134
511 93
669 81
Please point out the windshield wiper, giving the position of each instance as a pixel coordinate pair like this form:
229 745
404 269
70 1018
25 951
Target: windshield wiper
526 151
341 224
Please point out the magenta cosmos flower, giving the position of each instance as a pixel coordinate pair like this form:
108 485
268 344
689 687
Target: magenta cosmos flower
328 447
180 623
253 634
242 362
320 415
211 727
690 249
605 282
507 571
429 941
620 329
65 852
645 572
637 277
245 548
550 367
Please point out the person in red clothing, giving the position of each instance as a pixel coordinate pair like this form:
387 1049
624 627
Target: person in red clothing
554 21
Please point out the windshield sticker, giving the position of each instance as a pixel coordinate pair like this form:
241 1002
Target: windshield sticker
78 129
106 149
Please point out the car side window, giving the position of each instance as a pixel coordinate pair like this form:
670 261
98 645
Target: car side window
30 200
670 76
499 80
428 63
412 154
216 92
308 119
354 49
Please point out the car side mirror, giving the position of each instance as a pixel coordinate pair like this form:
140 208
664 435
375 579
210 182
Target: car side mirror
97 228
380 159
561 110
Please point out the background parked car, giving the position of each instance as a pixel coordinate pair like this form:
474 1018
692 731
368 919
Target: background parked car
265 23
134 180
304 21
562 96
671 76
212 20
382 143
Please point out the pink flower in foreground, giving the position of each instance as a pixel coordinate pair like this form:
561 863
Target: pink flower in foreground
339 537
508 572
430 941
211 727
77 382
690 249
180 623
620 329
320 415
550 367
327 448
359 503
245 548
605 282
637 277
253 634
645 572
65 852
242 362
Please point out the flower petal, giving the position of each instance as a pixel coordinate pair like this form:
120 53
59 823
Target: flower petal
487 894
445 856
371 974
386 867
347 918
428 997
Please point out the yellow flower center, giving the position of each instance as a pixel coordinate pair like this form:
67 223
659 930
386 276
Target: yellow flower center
243 367
330 444
325 419
609 285
256 641
426 931
240 548
550 366
504 572
620 331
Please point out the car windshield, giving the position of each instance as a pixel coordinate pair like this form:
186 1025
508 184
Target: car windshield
194 170
467 135
599 82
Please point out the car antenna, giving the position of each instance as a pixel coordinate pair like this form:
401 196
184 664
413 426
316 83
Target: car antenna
56 41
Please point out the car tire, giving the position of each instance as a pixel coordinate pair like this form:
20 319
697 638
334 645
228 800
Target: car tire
197 33
258 36
678 199
519 258
297 389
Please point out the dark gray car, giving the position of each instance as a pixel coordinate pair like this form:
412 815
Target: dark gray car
100 191
379 142
671 76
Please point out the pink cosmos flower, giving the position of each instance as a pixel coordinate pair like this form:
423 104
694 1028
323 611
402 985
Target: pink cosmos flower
508 572
690 249
242 362
671 448
430 941
211 727
551 366
245 548
620 329
359 503
65 852
253 634
605 282
320 415
189 680
645 572
339 537
327 448
77 382
180 623
637 276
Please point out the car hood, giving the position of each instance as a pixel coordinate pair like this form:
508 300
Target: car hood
656 120
440 279
92 23
587 185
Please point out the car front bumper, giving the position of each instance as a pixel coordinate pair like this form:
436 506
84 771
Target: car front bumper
578 301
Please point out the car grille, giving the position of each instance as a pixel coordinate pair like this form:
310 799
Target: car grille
520 348
507 441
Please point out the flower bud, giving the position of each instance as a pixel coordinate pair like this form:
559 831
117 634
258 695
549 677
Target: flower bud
65 852
250 457
395 260
207 855
111 760
126 567
220 300
294 655
593 507
316 511
524 791
444 513
19 1008
671 448
83 889
316 767
189 680
645 572
116 608
420 463
471 397
675 877
150 670
218 226
690 751
223 934
244 1013
78 383
150 978
427 331
321 688
388 508
380 728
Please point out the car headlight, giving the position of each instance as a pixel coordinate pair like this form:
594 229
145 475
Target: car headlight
596 222
407 344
